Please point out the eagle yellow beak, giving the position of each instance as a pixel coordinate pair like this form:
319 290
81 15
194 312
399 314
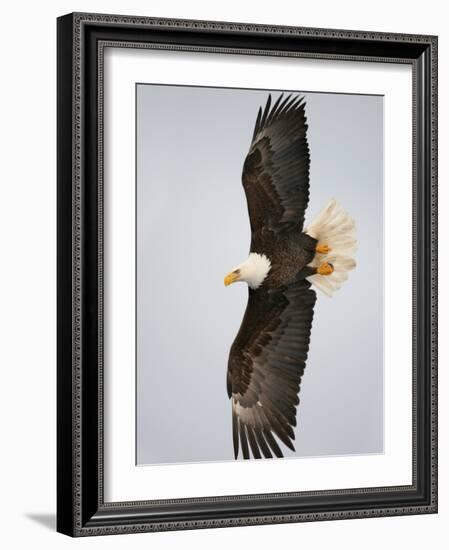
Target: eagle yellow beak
231 278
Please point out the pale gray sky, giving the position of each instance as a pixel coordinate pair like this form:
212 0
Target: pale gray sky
192 228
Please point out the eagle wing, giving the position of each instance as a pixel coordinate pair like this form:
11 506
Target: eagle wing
276 170
266 363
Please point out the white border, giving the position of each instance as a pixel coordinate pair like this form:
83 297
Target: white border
123 480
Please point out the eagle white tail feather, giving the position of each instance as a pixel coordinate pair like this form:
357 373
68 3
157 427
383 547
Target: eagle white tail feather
336 229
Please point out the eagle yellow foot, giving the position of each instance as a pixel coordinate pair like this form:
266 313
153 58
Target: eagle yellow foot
325 269
322 248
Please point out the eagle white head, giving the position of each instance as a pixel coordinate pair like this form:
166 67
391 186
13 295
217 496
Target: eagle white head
252 271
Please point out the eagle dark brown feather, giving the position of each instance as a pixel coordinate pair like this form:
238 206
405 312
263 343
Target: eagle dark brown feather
276 170
268 356
265 367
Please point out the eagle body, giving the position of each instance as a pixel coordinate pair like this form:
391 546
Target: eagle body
268 356
289 254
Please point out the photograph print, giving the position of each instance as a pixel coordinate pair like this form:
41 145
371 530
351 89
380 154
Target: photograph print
281 191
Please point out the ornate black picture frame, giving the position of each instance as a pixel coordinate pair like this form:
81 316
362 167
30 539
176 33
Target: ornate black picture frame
81 509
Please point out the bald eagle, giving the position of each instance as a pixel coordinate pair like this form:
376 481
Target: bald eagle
268 356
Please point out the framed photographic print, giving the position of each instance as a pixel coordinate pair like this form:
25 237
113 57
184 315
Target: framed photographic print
300 163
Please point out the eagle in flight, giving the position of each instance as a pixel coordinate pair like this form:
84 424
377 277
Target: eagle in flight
269 353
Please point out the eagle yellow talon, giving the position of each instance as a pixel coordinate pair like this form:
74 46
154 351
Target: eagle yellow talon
322 248
325 268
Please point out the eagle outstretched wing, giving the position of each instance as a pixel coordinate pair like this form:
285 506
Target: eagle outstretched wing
266 363
276 170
